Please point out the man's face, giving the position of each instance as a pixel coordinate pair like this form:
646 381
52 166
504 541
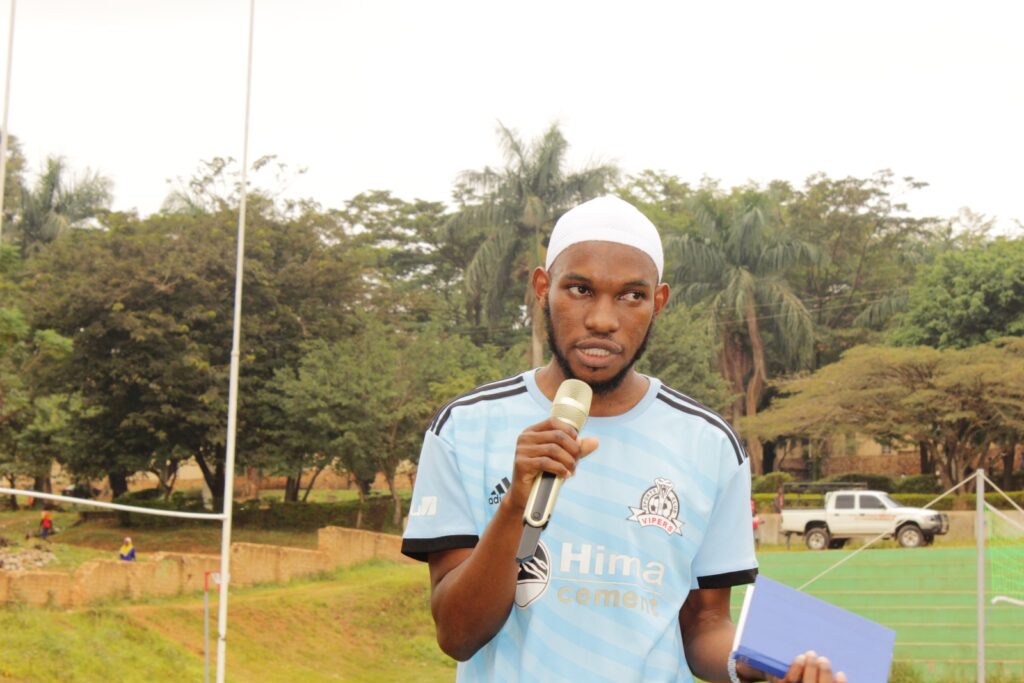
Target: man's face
600 300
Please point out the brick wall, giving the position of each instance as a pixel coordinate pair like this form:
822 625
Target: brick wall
165 574
890 464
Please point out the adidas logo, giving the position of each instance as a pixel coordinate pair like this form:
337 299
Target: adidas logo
498 491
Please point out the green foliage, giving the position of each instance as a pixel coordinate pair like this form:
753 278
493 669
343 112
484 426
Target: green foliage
918 483
955 402
58 203
681 353
870 249
514 209
966 298
770 483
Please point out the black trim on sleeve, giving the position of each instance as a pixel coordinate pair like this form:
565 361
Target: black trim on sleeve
728 579
419 548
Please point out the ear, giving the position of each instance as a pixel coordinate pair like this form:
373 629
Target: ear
661 293
541 282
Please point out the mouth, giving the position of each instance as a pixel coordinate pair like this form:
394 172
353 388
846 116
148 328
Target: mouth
596 355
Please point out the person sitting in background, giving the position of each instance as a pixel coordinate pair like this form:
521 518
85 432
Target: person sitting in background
45 525
127 550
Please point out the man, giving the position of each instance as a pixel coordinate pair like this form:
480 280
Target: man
631 578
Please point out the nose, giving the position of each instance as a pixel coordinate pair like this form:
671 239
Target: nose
602 318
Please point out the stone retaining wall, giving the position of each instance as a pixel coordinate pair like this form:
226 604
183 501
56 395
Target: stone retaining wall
165 574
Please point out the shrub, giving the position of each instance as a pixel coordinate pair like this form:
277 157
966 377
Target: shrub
769 483
918 483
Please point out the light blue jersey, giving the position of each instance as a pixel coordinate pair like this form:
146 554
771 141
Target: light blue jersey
662 506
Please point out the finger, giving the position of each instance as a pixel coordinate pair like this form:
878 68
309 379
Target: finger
588 446
566 440
810 668
824 670
796 669
840 677
530 459
553 424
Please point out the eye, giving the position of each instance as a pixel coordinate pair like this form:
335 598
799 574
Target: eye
579 290
634 296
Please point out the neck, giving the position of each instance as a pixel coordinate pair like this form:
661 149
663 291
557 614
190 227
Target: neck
616 402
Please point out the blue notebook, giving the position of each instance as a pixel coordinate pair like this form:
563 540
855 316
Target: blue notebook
777 623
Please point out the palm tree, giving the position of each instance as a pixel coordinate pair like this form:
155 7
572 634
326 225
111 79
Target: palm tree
516 208
735 263
57 203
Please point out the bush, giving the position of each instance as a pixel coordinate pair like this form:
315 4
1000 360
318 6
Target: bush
919 483
179 502
769 483
875 482
376 514
964 502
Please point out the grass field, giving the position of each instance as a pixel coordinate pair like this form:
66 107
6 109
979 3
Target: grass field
927 595
372 623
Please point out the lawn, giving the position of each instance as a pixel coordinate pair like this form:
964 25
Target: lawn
369 623
927 595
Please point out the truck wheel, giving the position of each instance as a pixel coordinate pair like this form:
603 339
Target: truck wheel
910 536
817 538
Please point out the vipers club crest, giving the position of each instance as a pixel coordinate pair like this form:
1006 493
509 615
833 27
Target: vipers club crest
659 506
533 577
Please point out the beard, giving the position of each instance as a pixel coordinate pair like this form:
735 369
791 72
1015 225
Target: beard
605 386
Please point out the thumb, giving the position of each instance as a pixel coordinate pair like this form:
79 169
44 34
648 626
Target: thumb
588 446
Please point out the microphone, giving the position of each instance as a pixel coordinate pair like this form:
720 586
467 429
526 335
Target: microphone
572 406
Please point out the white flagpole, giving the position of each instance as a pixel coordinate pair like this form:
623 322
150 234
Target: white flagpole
979 540
7 105
229 462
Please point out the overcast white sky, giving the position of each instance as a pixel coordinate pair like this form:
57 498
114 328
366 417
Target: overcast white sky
404 95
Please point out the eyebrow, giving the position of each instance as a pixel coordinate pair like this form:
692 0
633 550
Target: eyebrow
584 279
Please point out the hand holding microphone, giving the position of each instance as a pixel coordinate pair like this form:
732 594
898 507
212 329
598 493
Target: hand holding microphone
555 445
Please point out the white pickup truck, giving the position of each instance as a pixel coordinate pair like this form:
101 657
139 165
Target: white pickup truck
849 514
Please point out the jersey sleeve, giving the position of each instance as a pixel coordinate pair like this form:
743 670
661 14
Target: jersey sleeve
726 555
440 517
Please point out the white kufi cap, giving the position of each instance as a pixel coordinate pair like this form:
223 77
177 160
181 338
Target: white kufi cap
606 219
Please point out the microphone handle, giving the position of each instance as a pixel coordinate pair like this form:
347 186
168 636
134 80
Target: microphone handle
541 502
538 511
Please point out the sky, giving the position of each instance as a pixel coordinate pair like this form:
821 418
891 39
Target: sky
403 96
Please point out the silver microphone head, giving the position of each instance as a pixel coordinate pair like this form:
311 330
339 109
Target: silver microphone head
572 403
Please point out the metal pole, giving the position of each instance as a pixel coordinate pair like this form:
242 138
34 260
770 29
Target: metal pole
7 103
206 627
979 537
229 464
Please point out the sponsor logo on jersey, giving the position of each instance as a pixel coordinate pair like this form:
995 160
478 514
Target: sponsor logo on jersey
499 490
593 576
534 577
426 508
659 507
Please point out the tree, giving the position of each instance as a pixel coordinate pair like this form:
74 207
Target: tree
33 419
13 187
958 404
966 297
870 249
148 304
58 202
515 208
735 263
681 353
367 399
